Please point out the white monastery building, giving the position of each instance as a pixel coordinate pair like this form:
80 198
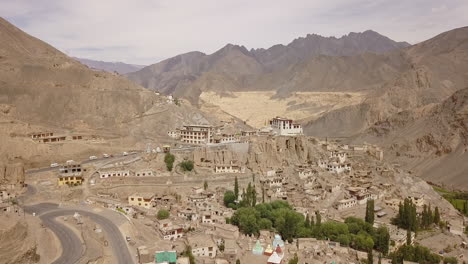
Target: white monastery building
285 127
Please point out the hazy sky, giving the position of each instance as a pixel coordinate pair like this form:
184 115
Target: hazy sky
146 31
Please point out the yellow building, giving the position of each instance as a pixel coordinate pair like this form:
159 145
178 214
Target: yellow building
70 180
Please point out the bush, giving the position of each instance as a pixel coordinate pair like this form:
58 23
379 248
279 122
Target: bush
162 214
229 198
169 160
450 260
186 165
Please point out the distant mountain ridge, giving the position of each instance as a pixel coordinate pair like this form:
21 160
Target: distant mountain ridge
119 67
234 68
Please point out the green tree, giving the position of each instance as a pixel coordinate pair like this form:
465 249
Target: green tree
205 185
370 212
236 188
162 214
318 218
294 260
186 165
229 199
263 194
382 239
370 257
450 260
169 160
436 216
238 262
188 253
408 237
307 222
254 196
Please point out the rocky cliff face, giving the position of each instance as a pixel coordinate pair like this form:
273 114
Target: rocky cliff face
431 140
12 173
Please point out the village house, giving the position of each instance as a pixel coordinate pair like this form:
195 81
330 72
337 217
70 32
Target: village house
197 134
174 134
392 203
113 173
346 203
224 138
188 214
144 173
168 230
40 135
285 127
232 167
202 246
141 199
338 168
341 156
305 173
417 200
248 133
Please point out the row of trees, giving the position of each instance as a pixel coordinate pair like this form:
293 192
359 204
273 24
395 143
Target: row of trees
407 217
186 165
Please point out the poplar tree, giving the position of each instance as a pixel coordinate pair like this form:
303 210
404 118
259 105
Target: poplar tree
370 212
236 188
436 216
318 217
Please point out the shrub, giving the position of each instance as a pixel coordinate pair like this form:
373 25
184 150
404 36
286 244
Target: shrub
186 165
169 160
162 214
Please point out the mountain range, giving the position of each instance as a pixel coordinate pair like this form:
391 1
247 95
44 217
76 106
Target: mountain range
234 68
118 67
357 86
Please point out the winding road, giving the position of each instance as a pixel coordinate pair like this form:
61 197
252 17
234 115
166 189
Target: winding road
72 247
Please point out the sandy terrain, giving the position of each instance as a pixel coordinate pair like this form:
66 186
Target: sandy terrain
257 107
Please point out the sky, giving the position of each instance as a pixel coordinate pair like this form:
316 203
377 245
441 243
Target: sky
147 31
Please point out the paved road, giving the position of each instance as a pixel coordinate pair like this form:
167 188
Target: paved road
72 248
38 170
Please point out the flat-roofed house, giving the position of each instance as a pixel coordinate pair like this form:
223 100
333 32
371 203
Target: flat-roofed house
144 200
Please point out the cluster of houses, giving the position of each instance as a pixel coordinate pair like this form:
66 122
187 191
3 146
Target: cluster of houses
51 137
208 134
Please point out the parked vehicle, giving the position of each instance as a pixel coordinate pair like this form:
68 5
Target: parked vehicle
54 165
70 161
105 155
92 157
125 153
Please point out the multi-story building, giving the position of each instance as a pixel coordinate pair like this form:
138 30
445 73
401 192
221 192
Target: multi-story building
197 134
69 180
141 199
345 204
72 169
285 127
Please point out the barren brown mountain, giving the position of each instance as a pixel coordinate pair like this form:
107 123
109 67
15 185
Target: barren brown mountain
226 78
432 141
41 89
436 68
118 67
